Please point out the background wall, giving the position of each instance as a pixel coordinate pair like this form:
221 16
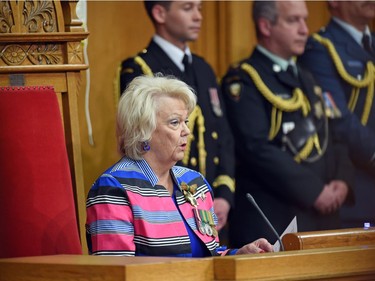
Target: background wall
119 29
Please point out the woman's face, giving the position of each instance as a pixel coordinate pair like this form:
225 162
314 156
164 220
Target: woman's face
168 142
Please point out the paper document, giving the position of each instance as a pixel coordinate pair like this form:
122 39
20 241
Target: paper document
291 228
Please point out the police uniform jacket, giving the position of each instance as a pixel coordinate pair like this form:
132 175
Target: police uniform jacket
217 145
357 129
354 59
266 168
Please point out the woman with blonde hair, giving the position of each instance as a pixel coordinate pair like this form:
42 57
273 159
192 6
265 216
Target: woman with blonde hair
145 204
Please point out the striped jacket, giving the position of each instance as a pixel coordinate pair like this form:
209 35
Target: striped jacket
129 214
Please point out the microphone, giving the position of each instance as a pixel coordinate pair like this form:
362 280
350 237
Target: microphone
252 201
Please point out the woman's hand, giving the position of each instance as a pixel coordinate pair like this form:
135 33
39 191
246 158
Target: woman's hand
260 245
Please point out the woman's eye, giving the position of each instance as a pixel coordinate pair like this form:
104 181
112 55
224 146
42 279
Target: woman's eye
175 122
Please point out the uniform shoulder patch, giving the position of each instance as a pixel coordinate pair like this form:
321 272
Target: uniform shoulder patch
233 87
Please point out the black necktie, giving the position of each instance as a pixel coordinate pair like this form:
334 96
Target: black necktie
292 71
188 70
367 43
291 76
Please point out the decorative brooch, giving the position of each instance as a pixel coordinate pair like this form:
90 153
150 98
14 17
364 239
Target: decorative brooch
189 191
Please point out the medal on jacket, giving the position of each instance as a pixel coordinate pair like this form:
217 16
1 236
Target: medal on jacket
204 220
332 110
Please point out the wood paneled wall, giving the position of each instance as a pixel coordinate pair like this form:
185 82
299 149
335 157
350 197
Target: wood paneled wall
119 29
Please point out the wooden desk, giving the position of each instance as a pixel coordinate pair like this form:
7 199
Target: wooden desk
95 268
329 238
342 263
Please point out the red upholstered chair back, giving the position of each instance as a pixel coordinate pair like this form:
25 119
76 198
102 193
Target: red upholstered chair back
37 213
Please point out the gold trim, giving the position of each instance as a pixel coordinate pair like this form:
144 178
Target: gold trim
196 117
306 150
145 68
367 81
353 99
224 180
298 101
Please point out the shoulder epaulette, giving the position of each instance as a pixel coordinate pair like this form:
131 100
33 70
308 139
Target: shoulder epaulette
145 68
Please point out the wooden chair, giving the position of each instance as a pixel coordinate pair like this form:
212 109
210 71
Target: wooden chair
36 195
41 45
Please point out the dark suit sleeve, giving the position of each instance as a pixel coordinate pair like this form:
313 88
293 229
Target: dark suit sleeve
276 170
225 178
344 168
129 70
360 139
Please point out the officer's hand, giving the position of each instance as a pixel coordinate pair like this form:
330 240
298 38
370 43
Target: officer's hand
258 246
341 189
327 201
221 207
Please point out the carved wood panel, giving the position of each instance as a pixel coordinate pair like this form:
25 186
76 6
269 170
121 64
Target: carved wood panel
30 16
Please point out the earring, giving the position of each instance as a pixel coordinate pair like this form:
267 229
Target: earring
146 146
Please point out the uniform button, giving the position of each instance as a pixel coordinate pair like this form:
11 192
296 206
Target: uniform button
216 160
214 135
193 161
276 68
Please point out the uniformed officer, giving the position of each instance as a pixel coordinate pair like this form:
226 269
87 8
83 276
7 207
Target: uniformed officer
341 57
287 159
210 147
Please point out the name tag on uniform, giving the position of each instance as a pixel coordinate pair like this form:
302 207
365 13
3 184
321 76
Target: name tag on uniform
283 95
355 63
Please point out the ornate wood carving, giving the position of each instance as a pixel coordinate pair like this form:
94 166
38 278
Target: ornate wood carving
40 33
39 16
28 16
36 54
6 17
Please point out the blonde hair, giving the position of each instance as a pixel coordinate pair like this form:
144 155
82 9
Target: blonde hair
138 105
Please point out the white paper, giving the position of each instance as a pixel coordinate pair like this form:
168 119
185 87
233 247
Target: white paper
291 228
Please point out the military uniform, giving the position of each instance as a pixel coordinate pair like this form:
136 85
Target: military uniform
210 144
345 69
284 149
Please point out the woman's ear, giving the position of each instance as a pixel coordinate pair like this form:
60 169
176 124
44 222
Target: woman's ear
264 27
159 13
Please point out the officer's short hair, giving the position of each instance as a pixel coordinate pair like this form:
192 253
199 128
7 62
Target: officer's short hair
149 5
264 9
